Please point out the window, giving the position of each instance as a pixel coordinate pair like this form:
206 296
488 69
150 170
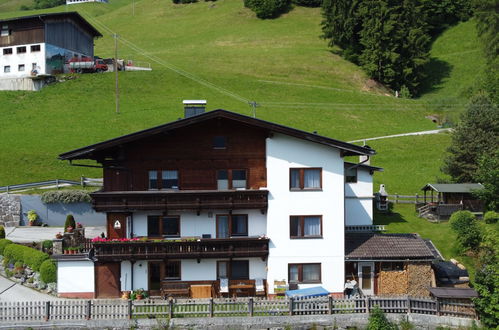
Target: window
5 31
229 225
6 69
153 179
219 142
21 50
168 179
305 178
391 266
167 226
7 51
304 273
172 270
231 179
306 226
234 270
20 67
350 174
35 48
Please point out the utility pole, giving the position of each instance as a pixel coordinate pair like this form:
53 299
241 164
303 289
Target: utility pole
253 104
116 73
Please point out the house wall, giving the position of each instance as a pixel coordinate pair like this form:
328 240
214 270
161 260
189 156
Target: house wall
283 153
22 32
67 34
193 225
75 279
359 199
206 269
27 59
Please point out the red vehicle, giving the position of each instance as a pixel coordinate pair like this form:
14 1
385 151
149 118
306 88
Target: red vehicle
87 65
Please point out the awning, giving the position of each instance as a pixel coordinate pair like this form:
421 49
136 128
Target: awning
316 291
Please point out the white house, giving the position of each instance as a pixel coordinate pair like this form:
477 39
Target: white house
221 195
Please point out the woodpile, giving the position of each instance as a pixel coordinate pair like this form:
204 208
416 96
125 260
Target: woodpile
419 278
393 282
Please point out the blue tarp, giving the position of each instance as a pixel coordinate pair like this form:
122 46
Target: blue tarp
316 291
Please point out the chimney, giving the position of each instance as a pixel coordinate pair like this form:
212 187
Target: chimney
193 107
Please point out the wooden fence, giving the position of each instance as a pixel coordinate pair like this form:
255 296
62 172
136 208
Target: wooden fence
128 309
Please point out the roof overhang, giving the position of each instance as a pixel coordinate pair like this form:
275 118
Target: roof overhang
347 149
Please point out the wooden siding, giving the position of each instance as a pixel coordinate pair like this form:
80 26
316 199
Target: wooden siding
190 151
107 280
23 32
65 33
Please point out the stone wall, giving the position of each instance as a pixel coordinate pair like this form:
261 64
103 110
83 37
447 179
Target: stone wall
10 210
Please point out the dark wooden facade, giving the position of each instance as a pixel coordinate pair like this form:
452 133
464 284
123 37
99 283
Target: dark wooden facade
190 151
65 30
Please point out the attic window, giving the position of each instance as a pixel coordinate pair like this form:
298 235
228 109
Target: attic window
5 31
219 142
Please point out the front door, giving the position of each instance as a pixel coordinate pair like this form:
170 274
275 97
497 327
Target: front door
116 225
107 280
366 278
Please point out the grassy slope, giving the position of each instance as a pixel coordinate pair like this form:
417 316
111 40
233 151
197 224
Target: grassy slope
279 60
13 5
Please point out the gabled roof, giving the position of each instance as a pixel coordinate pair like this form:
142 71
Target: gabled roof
86 152
72 14
453 187
374 246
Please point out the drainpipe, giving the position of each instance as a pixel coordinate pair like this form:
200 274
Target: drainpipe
131 276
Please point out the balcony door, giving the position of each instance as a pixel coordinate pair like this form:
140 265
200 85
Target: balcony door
232 225
116 224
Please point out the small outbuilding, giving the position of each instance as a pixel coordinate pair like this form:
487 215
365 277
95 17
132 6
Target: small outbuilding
442 199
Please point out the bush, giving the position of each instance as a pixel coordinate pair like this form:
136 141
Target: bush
3 243
2 232
70 222
491 217
65 197
15 252
468 232
308 3
268 8
378 320
34 258
48 271
47 244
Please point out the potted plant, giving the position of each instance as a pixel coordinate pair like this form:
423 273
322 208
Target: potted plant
79 225
125 295
58 235
66 250
69 229
139 294
32 217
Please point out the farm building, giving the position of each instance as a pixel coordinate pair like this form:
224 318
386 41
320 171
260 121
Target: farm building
35 47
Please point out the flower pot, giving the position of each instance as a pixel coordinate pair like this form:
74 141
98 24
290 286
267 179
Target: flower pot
139 297
31 223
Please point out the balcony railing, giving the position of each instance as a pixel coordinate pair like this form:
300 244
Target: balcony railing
183 200
196 249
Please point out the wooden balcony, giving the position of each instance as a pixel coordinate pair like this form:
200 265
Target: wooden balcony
170 249
180 200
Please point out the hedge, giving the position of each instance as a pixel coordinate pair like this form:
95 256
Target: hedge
3 243
48 271
29 256
65 197
2 232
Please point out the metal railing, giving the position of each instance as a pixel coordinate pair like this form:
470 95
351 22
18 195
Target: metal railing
57 183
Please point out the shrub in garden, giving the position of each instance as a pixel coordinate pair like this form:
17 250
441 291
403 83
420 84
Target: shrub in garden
70 222
268 8
2 232
15 252
3 243
65 197
47 244
308 3
48 271
34 258
378 320
491 217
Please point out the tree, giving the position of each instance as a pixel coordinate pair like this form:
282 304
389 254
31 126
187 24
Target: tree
476 135
488 175
487 18
268 8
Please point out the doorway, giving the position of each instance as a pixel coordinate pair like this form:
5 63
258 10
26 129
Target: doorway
366 278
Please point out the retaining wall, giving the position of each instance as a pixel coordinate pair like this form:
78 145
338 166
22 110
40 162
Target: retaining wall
10 210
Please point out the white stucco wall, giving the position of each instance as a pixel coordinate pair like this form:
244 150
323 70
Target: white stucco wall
75 276
191 270
13 60
284 152
359 199
192 224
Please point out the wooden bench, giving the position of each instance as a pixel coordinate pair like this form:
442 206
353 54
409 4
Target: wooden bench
175 289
